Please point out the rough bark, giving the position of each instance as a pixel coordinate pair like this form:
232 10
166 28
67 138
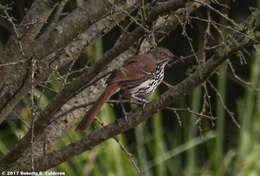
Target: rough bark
169 97
48 128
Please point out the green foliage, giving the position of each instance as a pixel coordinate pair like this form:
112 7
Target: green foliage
161 146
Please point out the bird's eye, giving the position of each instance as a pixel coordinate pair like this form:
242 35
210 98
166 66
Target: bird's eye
163 53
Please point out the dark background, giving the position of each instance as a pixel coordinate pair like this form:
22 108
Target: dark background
159 136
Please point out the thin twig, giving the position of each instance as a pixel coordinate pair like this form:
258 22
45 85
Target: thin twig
11 20
246 83
185 34
84 105
167 84
223 26
178 117
192 112
33 110
132 18
128 154
231 114
218 12
22 61
68 74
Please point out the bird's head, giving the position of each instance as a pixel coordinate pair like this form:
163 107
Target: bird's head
163 55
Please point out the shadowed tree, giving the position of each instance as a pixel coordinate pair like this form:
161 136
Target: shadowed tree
53 69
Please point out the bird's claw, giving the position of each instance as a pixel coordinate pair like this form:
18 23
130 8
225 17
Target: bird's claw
144 105
126 116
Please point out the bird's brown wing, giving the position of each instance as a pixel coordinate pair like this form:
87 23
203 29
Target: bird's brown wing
134 71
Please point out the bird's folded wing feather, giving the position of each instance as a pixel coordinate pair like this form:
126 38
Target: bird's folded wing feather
135 70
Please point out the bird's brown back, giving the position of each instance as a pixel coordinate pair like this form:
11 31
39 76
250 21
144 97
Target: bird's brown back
135 69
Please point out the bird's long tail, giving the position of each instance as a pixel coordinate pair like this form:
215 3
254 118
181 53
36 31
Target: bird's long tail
89 117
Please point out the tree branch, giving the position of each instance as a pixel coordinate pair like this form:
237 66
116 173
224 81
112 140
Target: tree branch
169 97
86 78
25 35
51 41
69 92
70 52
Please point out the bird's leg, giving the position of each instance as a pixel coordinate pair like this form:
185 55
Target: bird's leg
141 100
123 108
144 104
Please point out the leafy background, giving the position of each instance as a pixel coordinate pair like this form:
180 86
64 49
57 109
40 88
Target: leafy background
169 143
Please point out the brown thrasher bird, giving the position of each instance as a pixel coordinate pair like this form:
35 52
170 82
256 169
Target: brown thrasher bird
138 78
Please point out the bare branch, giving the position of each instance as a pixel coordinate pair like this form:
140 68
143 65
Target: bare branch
231 114
54 60
248 84
48 128
129 155
25 33
169 97
76 85
192 112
